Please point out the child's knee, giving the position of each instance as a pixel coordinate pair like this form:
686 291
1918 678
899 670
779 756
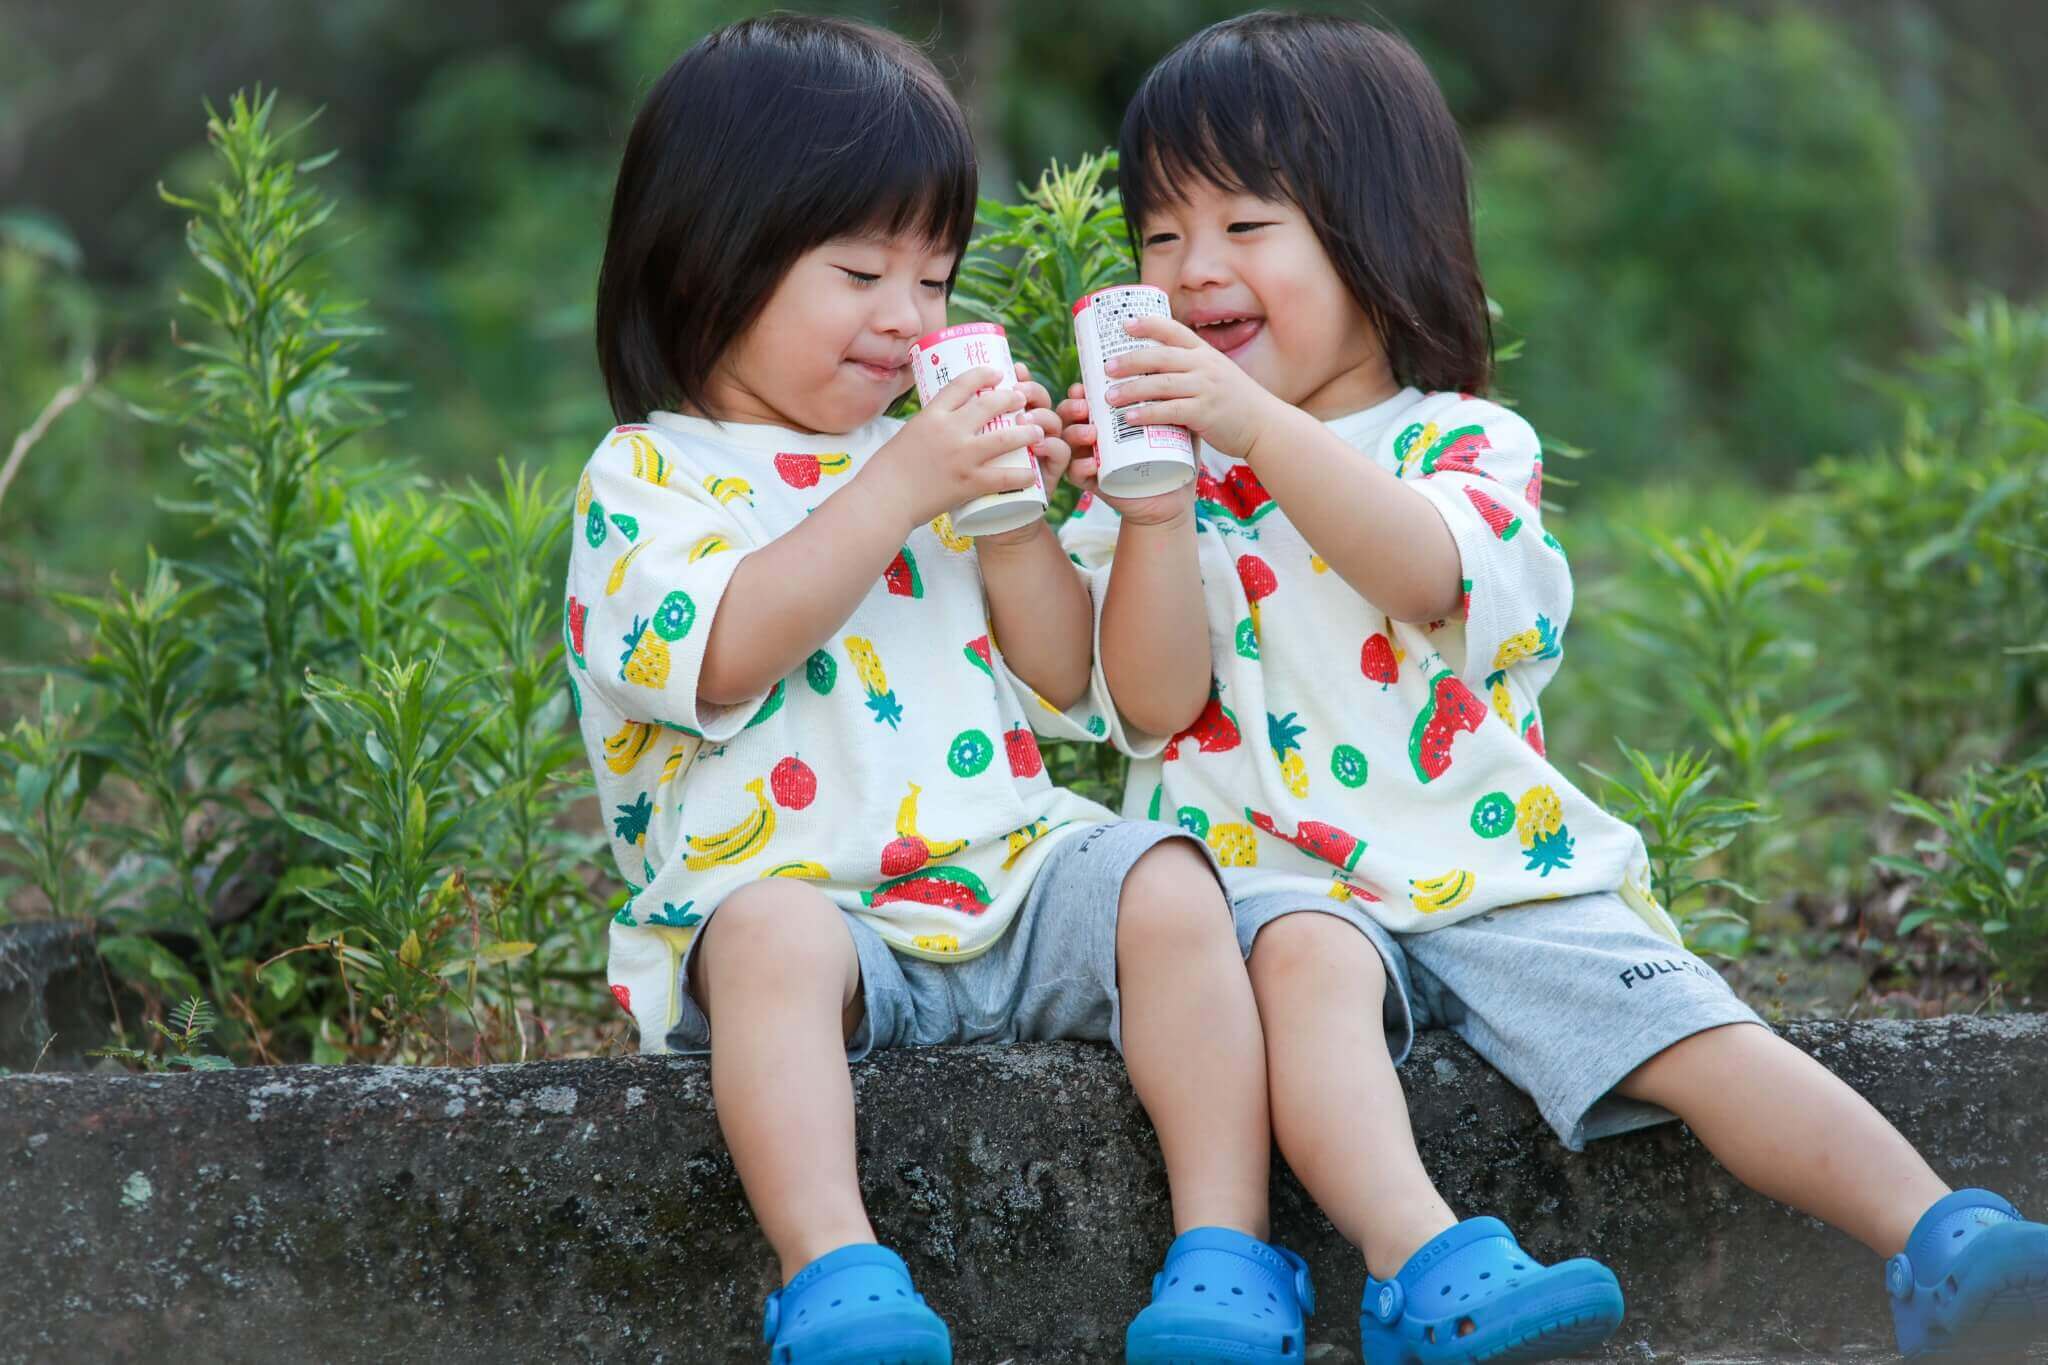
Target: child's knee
1171 893
774 932
1296 949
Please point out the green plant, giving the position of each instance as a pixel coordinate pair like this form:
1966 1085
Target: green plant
1683 824
43 832
1717 627
190 1024
272 398
407 803
1933 544
1984 865
1032 260
148 667
505 570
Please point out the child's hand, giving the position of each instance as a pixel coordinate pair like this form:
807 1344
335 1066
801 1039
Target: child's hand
938 460
1051 452
1184 381
1079 434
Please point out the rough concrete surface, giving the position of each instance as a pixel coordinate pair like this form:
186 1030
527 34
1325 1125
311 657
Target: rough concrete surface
588 1210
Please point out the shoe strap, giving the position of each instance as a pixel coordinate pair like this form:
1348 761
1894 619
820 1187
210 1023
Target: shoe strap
1946 1227
1448 1243
857 1256
1278 1262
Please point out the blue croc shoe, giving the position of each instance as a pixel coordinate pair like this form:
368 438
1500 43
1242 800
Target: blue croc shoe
853 1306
1973 1280
1473 1294
1223 1296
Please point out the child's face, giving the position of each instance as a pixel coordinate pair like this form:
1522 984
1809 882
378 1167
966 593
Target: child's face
831 350
1250 277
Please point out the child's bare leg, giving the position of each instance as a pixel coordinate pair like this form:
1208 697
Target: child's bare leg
1338 1109
1191 1040
778 977
1788 1127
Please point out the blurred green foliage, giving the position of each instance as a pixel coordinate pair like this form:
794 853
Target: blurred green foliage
1706 279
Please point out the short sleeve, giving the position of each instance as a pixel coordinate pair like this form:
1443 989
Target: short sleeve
1083 721
1089 538
1481 466
651 556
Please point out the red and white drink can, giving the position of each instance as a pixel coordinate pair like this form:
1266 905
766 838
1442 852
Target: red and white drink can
1136 461
937 359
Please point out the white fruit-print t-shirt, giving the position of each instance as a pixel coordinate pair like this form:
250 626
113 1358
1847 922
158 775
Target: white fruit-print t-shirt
896 770
1348 755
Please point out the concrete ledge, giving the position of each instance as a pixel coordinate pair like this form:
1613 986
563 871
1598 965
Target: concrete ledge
588 1210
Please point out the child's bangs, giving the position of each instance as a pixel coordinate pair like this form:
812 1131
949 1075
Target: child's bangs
910 170
1183 128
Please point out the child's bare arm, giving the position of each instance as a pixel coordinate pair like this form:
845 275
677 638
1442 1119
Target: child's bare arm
1382 537
1155 638
1379 535
1038 605
801 586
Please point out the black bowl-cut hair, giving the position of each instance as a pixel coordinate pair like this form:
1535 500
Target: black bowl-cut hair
1343 120
762 141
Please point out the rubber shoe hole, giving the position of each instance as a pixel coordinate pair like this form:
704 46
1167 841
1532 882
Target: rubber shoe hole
1286 1345
835 1303
874 1298
1958 1232
1486 1274
1235 1290
1466 1327
1429 1335
1175 1280
1200 1287
899 1293
1270 1298
1447 1289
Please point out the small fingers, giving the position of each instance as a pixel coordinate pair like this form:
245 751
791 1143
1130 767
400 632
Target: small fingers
1151 360
998 476
1165 331
1149 388
985 407
1053 456
964 389
1074 409
1176 412
1004 439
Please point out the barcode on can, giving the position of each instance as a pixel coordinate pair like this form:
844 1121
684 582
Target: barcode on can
1112 310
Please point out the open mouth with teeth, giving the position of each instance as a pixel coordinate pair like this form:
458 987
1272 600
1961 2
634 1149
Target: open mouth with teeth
1229 334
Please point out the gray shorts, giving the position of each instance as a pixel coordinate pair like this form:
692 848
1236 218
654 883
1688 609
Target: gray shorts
1565 998
1052 975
